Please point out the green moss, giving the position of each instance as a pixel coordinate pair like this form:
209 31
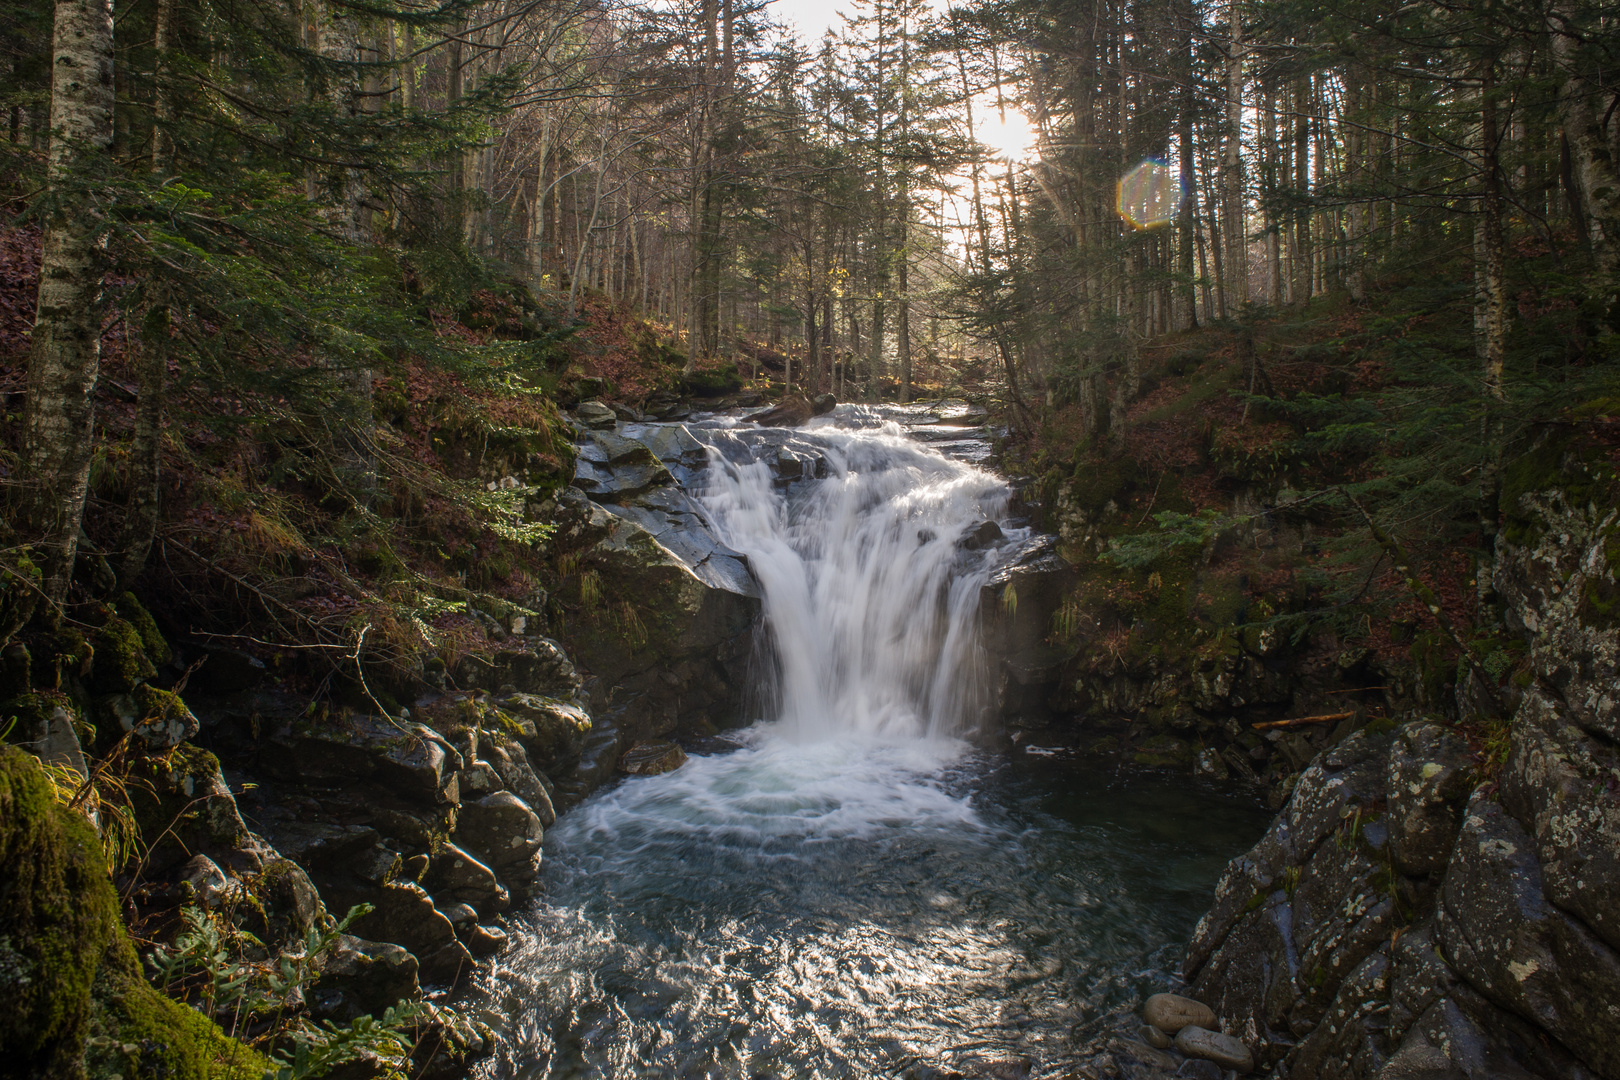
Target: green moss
57 915
1380 725
120 661
136 1031
156 648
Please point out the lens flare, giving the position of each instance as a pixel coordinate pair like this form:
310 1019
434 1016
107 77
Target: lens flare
1149 195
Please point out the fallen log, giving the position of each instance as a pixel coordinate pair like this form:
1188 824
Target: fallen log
1301 721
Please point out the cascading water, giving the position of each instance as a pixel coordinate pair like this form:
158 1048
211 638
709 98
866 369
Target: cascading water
870 596
848 889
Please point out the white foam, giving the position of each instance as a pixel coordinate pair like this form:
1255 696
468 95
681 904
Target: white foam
871 602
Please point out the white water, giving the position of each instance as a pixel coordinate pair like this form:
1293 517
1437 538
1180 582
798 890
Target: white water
871 603
872 609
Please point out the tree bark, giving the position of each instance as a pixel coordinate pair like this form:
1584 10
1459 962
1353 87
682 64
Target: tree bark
141 510
65 354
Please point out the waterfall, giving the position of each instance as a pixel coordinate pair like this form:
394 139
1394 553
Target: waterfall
869 576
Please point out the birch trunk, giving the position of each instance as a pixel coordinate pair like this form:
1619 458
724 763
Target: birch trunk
65 355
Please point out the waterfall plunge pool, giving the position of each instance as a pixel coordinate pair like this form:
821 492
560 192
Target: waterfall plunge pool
849 889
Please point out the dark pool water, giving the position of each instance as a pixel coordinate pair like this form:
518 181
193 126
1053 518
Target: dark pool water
852 909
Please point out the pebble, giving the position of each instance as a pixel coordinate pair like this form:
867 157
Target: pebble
1154 1037
1223 1050
1172 1012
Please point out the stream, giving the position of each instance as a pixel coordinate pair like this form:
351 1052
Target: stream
850 887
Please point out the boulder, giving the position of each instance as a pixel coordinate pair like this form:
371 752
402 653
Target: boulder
405 915
793 410
540 667
1223 1050
1172 1012
505 832
595 415
551 731
650 758
1498 931
407 759
291 904
510 760
362 978
483 941
612 468
458 874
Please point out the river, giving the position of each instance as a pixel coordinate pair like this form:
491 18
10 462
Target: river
853 886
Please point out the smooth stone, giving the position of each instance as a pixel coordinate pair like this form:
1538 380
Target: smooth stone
1155 1037
1223 1050
651 758
1172 1012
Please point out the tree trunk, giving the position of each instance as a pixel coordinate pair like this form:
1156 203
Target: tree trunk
1237 257
65 355
141 510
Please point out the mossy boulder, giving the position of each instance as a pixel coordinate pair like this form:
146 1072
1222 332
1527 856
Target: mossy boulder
68 974
152 641
120 662
184 807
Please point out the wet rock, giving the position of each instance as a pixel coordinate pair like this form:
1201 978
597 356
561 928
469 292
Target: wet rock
363 978
405 915
1430 776
505 832
540 667
553 732
596 764
1140 1051
1172 1012
650 758
1210 763
1155 1037
456 873
410 760
595 415
483 941
1200 1069
981 536
510 761
794 410
1223 1050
